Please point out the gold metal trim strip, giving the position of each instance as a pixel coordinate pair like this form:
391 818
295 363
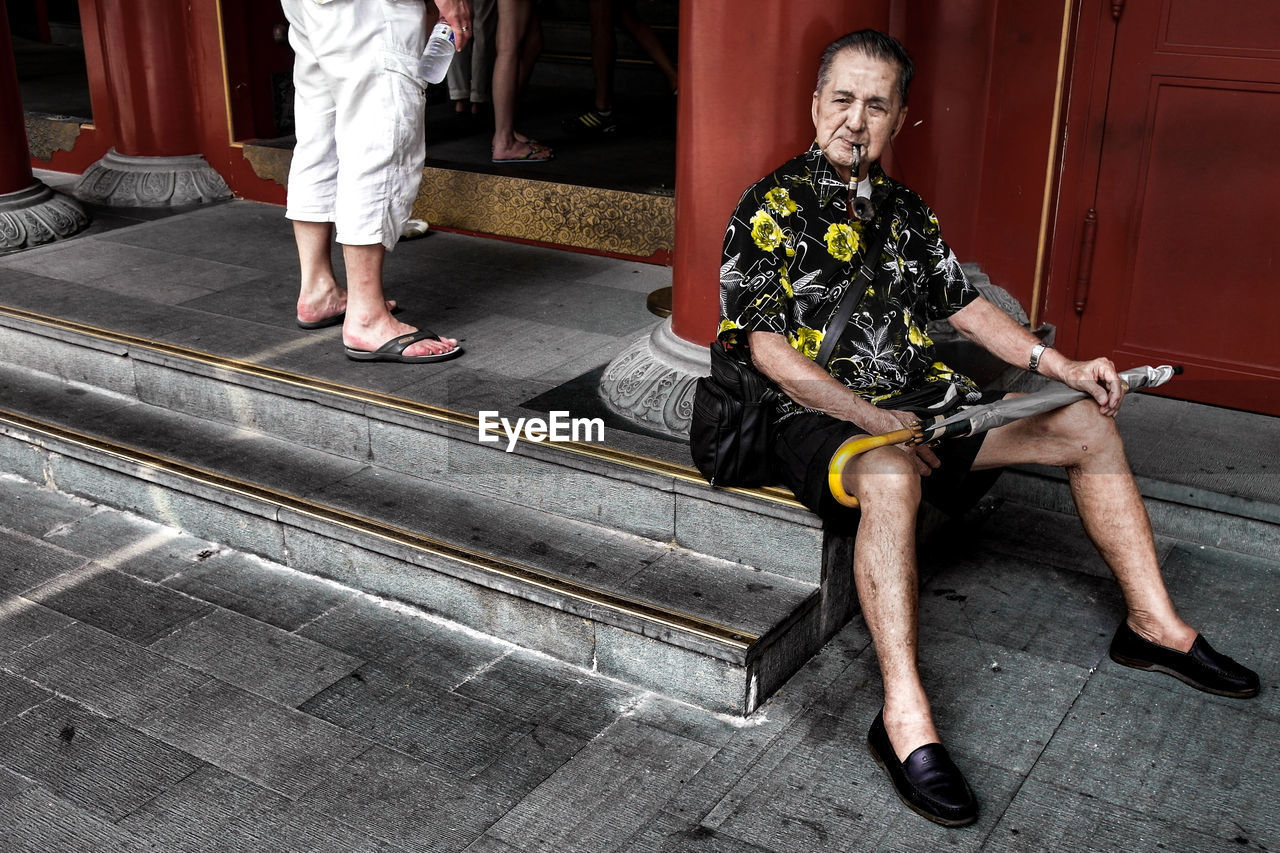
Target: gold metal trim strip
585 593
593 451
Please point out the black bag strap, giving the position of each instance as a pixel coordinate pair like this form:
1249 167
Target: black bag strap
853 296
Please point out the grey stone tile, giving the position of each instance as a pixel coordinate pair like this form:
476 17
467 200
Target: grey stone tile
989 702
255 656
727 593
542 692
1183 760
99 670
669 834
18 695
80 261
406 802
1046 538
26 563
151 274
23 622
472 387
503 530
91 760
1218 435
121 604
35 510
815 788
571 487
202 510
544 348
85 304
489 844
563 635
214 810
35 820
259 589
94 362
1050 612
110 537
240 233
169 554
1232 599
270 300
607 792
391 708
278 748
254 408
1049 817
684 674
398 638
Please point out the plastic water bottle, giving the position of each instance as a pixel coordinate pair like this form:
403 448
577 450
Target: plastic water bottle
438 53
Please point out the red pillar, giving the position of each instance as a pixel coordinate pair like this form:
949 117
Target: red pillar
30 212
15 163
747 73
154 116
145 50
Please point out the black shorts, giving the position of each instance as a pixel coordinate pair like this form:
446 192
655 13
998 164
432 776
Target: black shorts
804 444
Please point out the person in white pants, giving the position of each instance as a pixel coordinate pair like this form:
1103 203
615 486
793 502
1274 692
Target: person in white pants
359 112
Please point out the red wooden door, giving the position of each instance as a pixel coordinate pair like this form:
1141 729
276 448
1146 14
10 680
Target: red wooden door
1185 269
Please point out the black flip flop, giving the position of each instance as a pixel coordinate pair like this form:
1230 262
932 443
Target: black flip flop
393 350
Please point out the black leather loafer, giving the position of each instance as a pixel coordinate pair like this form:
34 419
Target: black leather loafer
928 782
1201 667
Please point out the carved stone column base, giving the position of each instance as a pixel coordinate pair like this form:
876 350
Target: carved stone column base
38 215
651 381
118 180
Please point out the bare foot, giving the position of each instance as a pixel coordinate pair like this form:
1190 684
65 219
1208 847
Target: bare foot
909 731
1177 635
330 304
372 336
517 150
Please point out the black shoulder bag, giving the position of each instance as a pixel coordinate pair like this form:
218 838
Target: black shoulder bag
731 433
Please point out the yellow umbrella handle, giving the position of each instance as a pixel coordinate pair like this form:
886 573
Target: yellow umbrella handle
861 444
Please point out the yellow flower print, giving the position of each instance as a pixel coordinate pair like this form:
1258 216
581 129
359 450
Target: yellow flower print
785 280
725 326
778 200
842 241
807 341
765 231
915 334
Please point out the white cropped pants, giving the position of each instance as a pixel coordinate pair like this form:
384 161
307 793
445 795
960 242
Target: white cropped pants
359 110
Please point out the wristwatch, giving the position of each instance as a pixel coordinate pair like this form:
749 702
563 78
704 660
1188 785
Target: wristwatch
1033 364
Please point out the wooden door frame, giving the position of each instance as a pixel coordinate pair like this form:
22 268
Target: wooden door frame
1088 82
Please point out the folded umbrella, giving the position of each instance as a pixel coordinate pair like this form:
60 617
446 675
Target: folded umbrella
973 420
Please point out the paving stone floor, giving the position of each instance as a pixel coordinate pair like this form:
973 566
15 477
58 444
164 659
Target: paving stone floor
158 692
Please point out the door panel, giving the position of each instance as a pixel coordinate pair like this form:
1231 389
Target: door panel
1188 200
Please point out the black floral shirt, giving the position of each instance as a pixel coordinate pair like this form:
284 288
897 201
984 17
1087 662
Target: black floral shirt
790 252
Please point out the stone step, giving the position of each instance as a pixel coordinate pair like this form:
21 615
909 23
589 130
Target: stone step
591 556
1203 516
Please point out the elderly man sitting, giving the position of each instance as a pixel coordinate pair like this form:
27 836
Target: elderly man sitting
793 248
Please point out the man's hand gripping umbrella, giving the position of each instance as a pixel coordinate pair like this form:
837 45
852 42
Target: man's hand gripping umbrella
978 419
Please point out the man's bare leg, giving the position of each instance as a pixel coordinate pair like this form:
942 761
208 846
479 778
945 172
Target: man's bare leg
369 323
884 566
1089 447
319 294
